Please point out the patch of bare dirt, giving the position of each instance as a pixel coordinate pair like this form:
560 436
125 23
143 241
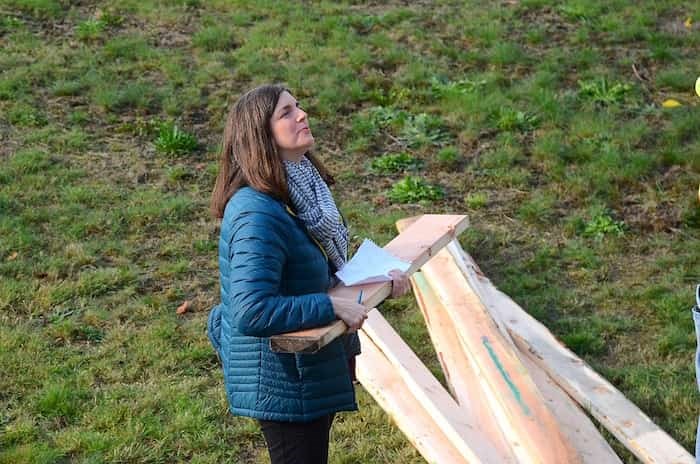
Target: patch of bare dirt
651 210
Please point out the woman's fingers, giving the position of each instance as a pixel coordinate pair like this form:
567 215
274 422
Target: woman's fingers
350 312
355 324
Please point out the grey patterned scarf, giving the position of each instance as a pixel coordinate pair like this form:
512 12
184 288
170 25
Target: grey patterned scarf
314 205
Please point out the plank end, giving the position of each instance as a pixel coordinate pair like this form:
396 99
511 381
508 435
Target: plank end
293 345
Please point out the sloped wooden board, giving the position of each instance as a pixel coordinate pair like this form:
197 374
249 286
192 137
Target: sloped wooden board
378 377
648 442
576 426
532 430
456 424
416 244
462 380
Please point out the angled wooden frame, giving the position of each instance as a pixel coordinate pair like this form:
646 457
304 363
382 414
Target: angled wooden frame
647 441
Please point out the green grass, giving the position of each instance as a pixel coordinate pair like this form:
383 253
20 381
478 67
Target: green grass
131 48
173 141
476 200
581 191
90 30
40 9
601 224
444 88
508 119
448 158
394 162
124 97
603 92
413 189
215 38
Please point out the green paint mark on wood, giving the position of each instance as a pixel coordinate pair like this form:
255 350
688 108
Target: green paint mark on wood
504 374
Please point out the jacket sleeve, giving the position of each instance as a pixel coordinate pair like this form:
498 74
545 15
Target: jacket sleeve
255 281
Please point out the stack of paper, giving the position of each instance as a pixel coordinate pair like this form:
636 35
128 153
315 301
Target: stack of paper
370 264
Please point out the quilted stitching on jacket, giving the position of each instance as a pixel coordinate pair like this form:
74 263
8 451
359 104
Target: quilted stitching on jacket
274 279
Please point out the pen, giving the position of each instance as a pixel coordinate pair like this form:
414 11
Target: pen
359 298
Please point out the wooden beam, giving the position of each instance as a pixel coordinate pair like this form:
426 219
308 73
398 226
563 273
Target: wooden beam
462 379
415 245
464 326
380 379
459 428
649 443
312 340
515 401
576 426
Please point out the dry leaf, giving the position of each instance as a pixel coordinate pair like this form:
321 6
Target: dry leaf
697 87
13 256
688 23
184 307
671 103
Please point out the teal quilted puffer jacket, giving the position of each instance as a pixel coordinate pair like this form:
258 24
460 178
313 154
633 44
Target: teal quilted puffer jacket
274 279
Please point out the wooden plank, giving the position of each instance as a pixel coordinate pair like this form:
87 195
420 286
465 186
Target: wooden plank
312 340
515 401
575 425
415 245
458 427
380 379
462 379
649 443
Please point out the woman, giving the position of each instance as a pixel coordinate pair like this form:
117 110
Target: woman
282 239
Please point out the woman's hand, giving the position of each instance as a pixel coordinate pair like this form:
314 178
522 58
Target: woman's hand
399 283
350 312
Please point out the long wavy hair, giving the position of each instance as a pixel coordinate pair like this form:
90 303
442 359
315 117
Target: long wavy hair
249 155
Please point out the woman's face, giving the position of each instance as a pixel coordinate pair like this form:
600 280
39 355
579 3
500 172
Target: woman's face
290 128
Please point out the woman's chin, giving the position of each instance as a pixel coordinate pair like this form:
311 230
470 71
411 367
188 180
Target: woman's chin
307 143
307 139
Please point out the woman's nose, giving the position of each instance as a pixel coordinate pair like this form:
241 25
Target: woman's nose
301 115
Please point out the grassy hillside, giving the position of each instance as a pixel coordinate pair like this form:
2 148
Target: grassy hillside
542 120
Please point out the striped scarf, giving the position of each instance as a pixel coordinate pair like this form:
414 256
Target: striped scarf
314 205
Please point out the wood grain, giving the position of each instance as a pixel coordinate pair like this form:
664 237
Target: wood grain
517 405
415 245
648 442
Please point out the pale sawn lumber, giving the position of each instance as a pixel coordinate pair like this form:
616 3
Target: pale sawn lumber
466 377
515 401
380 379
647 441
576 426
462 380
417 244
461 431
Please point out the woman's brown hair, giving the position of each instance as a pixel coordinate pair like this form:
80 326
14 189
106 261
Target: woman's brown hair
249 155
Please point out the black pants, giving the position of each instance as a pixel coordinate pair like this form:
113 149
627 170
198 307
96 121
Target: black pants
298 442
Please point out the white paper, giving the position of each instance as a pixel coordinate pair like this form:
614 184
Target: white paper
370 264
